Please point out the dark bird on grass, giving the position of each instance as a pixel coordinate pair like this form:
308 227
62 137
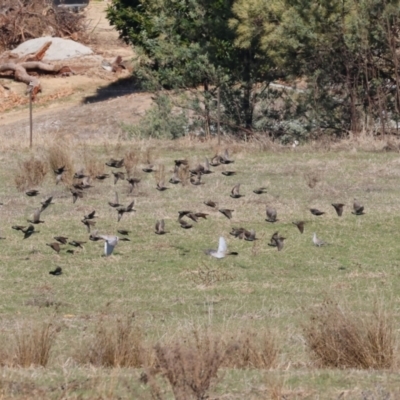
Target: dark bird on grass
124 232
260 190
225 159
76 194
300 225
183 213
239 233
90 215
18 227
317 242
29 231
94 237
36 217
70 251
358 208
276 241
206 169
148 168
85 184
46 203
316 212
133 182
56 272
116 202
338 208
55 246
178 163
59 174
161 186
196 180
88 223
32 192
80 175
192 216
76 243
122 210
117 176
235 192
250 236
175 177
216 160
271 214
184 224
228 173
61 239
197 171
115 163
101 177
160 227
211 204
226 212
201 215
124 239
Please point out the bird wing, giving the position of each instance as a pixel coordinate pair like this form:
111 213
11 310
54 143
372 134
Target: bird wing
108 248
222 247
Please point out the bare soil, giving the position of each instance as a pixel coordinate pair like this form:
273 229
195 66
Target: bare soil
93 96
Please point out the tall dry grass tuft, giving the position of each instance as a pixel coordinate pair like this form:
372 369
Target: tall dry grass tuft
33 345
30 173
191 365
116 344
184 174
252 349
342 339
131 161
60 156
93 166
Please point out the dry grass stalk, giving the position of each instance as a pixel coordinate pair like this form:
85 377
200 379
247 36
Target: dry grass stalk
341 339
116 344
93 166
252 349
190 366
31 173
130 162
312 178
59 156
33 345
183 174
160 173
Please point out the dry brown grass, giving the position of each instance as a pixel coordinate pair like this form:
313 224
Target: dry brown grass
33 345
190 365
30 173
338 338
59 155
184 174
131 161
252 349
117 343
93 166
313 178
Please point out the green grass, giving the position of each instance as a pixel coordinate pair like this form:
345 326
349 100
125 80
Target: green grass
155 277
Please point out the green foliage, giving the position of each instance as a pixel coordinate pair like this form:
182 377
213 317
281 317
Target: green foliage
162 122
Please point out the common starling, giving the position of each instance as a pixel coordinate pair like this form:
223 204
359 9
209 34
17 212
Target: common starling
178 163
316 212
55 246
184 224
115 203
56 272
358 208
115 163
133 182
225 159
300 225
148 168
160 227
271 214
76 194
161 186
59 174
46 203
88 223
76 243
117 176
211 204
226 212
90 215
235 194
61 239
338 208
228 173
175 177
123 232
260 190
196 180
122 210
32 193
29 231
36 217
101 177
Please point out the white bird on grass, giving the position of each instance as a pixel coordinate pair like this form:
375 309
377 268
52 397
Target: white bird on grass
317 242
222 250
110 242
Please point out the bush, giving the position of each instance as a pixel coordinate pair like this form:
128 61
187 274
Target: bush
31 173
341 339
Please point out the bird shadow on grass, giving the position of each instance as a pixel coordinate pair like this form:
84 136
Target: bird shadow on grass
121 87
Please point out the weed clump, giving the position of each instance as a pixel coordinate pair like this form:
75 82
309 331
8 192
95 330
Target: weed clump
338 338
30 173
59 156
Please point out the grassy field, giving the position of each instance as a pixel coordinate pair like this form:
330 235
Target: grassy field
169 287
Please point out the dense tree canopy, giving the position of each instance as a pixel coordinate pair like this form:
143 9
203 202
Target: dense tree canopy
345 51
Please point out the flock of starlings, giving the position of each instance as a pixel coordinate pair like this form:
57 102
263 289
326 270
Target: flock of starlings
81 183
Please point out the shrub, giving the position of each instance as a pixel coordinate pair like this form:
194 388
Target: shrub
59 156
31 173
342 339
